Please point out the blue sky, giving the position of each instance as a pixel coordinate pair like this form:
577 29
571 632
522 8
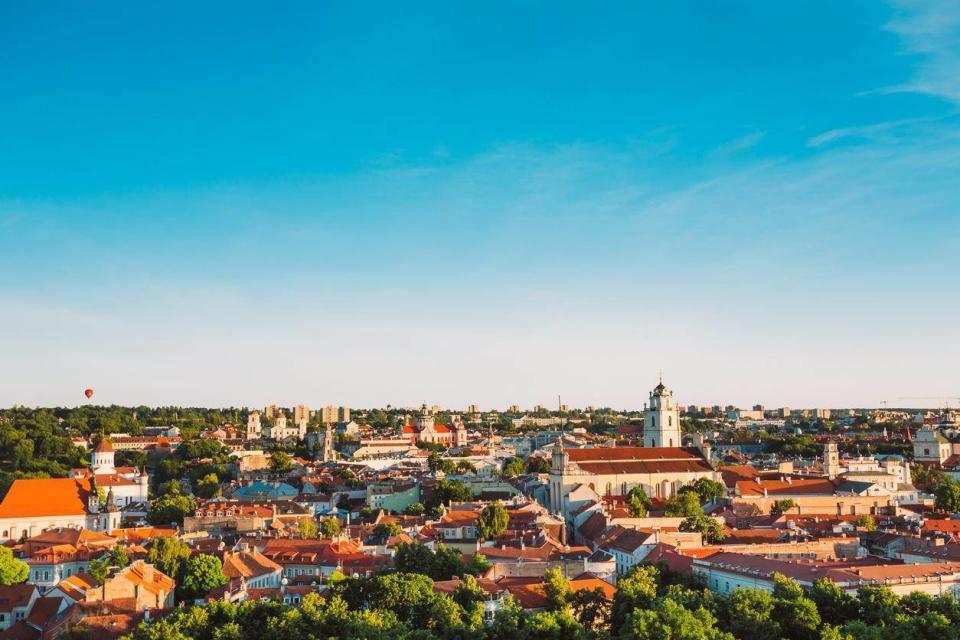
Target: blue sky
366 203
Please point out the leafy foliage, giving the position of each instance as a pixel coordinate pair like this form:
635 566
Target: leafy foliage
12 570
493 520
201 574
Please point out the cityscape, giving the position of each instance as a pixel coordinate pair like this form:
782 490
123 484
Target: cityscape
519 320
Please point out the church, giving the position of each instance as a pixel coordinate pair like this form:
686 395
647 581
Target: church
127 485
660 467
426 430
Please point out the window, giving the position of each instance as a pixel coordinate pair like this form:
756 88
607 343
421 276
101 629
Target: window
653 421
669 421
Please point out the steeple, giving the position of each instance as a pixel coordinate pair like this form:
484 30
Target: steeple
661 425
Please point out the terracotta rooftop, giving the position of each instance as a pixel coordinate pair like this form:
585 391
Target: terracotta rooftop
624 454
60 497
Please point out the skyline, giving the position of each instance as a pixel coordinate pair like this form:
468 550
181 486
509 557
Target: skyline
342 205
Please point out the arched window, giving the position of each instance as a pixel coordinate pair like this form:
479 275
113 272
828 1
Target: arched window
609 488
671 442
653 421
669 421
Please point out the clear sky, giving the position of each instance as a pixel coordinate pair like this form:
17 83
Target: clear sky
371 203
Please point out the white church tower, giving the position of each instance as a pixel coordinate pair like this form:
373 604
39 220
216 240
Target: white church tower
103 458
661 425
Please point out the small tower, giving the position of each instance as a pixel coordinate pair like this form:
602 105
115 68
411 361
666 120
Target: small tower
329 455
93 499
103 457
661 424
558 466
460 434
254 429
831 460
425 421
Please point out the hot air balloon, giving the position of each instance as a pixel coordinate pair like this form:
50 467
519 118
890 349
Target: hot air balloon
88 393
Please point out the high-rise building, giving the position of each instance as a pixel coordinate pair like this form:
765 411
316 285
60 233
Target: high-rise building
473 409
784 412
300 413
514 408
564 408
270 411
758 407
821 414
331 414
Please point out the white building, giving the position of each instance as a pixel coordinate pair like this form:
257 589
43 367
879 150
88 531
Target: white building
127 485
614 471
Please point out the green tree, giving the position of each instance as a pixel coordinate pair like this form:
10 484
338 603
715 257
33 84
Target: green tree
538 464
684 504
99 569
513 467
782 506
667 620
948 495
330 527
118 557
447 491
866 522
708 490
208 486
711 530
12 570
400 592
172 506
556 588
879 606
835 605
591 608
308 528
797 614
387 530
748 613
169 555
638 503
493 520
636 589
201 574
281 462
414 509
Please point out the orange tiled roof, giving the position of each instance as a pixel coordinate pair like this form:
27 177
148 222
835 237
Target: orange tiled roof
77 585
248 564
157 581
625 454
797 486
58 497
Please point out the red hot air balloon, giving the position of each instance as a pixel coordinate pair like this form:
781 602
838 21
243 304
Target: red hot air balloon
88 393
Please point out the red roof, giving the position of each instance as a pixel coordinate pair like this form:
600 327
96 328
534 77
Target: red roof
797 486
621 454
104 445
46 497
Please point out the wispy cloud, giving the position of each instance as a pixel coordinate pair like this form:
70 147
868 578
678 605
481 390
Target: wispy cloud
931 30
880 132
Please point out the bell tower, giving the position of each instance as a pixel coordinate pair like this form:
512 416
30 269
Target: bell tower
661 424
